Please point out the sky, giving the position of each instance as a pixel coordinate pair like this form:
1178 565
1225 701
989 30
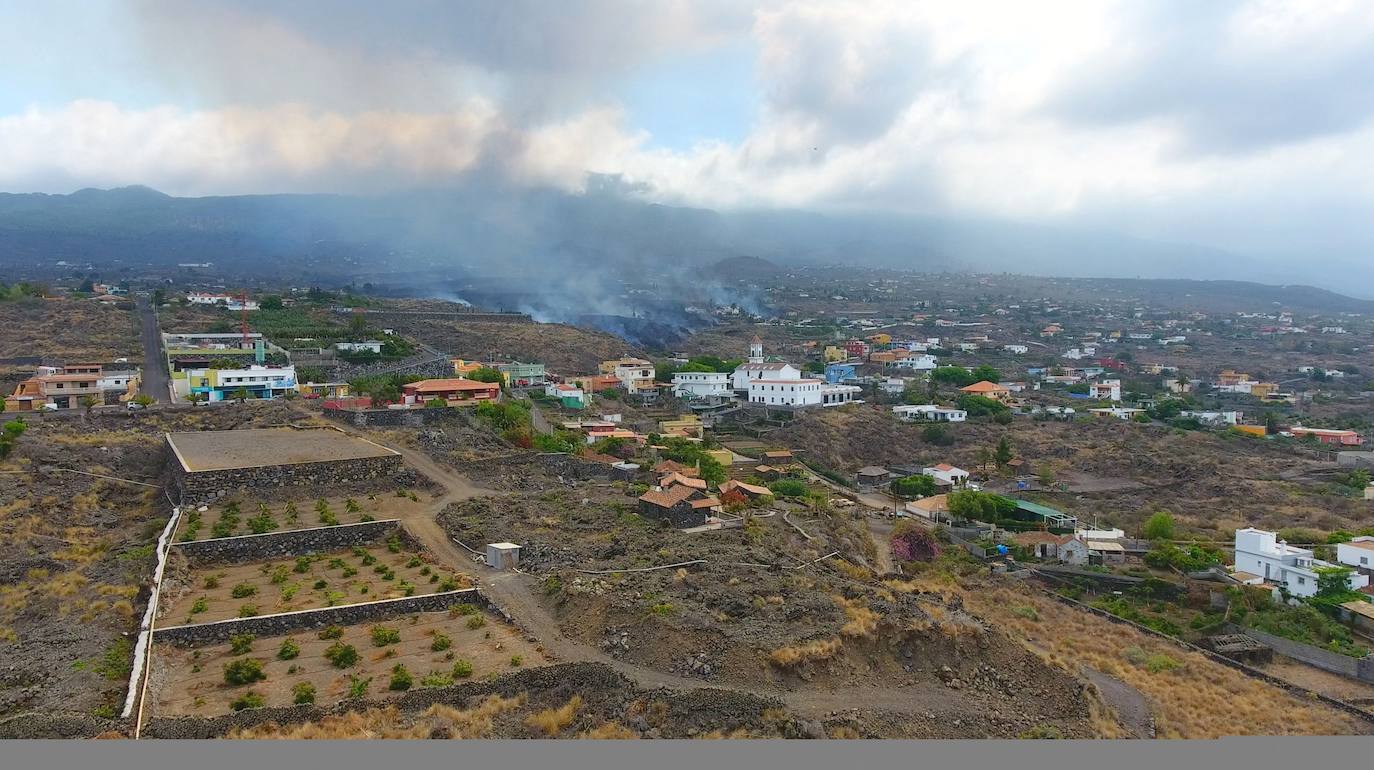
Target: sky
1242 125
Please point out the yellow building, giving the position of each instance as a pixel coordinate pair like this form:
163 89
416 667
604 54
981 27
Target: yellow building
323 389
688 425
832 354
1253 430
1264 389
881 338
462 367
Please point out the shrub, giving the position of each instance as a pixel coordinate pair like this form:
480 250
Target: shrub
393 544
279 575
912 542
789 488
1028 612
248 610
332 632
241 643
303 565
476 621
211 582
414 562
199 605
243 590
1160 662
341 655
302 693
462 669
244 671
449 583
516 661
321 584
248 700
384 635
552 721
289 650
436 679
357 687
400 678
1160 526
441 642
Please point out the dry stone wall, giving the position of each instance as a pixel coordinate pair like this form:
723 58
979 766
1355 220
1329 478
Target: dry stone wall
366 473
301 542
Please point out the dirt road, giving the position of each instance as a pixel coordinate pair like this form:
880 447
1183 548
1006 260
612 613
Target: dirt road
1132 709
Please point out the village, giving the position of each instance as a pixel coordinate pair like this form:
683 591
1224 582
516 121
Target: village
978 439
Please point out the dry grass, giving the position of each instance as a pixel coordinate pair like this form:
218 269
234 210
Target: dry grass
387 722
552 721
1198 699
612 731
862 622
811 652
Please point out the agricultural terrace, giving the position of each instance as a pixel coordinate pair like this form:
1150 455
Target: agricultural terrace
349 576
236 517
324 666
262 447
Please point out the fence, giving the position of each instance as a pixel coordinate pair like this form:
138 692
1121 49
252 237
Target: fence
1326 660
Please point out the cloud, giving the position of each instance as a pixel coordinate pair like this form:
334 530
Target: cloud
1240 125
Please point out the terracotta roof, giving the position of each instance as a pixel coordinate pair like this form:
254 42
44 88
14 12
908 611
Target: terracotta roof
983 387
669 497
448 385
705 502
678 478
945 467
752 489
1032 538
597 457
778 453
932 503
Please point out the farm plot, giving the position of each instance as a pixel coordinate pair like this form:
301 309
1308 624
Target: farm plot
430 649
361 574
239 517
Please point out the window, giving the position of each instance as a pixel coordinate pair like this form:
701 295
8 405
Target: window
1364 559
1302 581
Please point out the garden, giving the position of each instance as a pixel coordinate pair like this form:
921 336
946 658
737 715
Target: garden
236 517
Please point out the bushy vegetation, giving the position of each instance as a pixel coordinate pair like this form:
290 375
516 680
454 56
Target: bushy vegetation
914 486
302 693
1194 557
341 655
689 453
912 542
244 671
1305 624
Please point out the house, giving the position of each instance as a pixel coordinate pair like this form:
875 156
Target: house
928 507
1105 390
872 476
456 390
930 412
987 390
856 348
1044 545
633 374
751 491
569 396
921 363
1231 377
1105 552
702 385
595 383
1016 350
463 367
881 338
1119 412
803 392
676 478
678 506
1263 555
366 346
258 382
1324 436
893 386
688 425
751 371
672 466
1216 419
840 372
323 389
832 354
229 301
1357 554
947 475
779 457
65 387
519 374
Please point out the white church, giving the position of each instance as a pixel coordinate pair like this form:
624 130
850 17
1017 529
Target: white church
777 383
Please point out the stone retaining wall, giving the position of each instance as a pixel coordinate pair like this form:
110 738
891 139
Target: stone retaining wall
392 418
48 725
300 542
1326 660
332 477
1243 668
570 677
287 622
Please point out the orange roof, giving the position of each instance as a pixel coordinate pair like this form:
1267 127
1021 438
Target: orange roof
678 478
945 467
673 466
705 502
983 387
669 497
449 385
752 489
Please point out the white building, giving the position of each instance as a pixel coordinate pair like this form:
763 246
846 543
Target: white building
929 412
1075 354
944 472
801 392
634 373
1119 412
748 373
1259 554
367 346
224 300
1016 350
1214 418
701 384
921 363
1109 390
1358 554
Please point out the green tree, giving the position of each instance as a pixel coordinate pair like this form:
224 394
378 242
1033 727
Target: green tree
913 486
271 302
487 374
1003 453
1160 526
985 372
952 375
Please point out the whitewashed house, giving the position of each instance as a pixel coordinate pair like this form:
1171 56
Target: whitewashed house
929 412
1106 390
1016 350
1260 554
950 475
701 384
921 363
1357 554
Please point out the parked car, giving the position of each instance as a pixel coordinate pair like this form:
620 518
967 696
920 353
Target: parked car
133 406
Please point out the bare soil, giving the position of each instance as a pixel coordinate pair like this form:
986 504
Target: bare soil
69 330
191 681
371 507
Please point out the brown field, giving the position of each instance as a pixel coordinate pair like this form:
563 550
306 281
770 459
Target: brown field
191 681
70 330
197 525
259 447
1190 695
207 595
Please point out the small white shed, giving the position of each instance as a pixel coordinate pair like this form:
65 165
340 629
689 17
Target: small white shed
503 555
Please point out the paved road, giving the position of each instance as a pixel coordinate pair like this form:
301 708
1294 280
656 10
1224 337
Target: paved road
156 383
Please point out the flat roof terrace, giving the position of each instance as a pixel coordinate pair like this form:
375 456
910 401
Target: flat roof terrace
219 450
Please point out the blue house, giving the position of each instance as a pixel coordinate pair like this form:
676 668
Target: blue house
839 372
